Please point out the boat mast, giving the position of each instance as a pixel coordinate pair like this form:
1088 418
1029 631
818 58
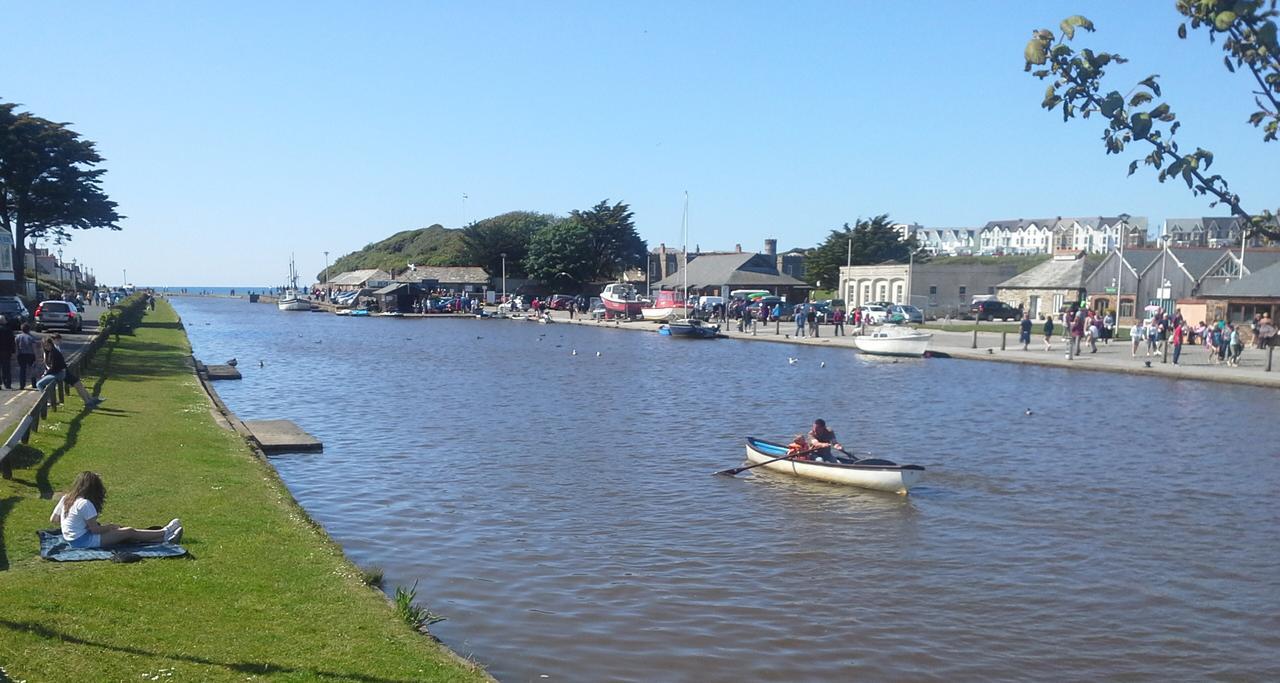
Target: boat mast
684 252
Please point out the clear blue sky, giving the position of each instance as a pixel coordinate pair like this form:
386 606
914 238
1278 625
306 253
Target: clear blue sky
239 132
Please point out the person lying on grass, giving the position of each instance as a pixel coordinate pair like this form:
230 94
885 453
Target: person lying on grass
77 513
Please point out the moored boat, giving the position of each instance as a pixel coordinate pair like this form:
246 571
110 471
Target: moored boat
690 328
867 473
621 299
667 305
893 340
291 300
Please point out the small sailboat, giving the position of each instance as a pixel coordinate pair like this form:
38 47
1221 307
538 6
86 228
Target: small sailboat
893 340
687 327
292 301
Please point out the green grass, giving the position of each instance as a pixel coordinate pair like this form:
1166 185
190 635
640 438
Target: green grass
993 327
266 595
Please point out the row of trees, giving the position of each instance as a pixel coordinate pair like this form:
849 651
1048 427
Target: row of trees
586 246
867 241
50 183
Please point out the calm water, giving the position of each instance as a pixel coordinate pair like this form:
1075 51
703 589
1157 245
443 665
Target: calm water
558 509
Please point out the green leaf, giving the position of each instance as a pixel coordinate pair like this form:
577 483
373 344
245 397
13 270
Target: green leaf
1160 111
1141 125
1150 82
1034 52
1205 155
1113 103
1139 98
1226 60
1070 24
1174 128
1133 166
1182 31
1224 20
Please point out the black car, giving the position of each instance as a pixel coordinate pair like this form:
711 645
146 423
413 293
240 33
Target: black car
994 310
14 311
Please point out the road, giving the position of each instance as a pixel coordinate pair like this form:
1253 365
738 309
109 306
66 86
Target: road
14 403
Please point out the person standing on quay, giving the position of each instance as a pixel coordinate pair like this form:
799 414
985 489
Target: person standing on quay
799 317
26 345
837 320
1024 331
1048 332
1178 333
6 357
811 316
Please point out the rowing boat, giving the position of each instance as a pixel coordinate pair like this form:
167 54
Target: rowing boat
867 473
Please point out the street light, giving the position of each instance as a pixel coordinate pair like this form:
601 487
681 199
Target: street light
1164 292
504 278
328 293
1123 231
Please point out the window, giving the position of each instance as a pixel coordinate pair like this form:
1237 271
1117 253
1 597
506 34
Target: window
991 290
962 292
1126 309
933 290
1057 303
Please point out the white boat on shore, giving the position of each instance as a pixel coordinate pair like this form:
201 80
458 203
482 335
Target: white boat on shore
867 473
893 340
291 300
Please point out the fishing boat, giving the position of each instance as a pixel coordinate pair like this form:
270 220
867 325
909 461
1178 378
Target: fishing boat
667 305
291 300
868 473
893 340
621 299
690 328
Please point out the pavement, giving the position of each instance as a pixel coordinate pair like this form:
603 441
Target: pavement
14 403
1114 357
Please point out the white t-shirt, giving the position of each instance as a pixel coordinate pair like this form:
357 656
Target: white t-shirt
73 521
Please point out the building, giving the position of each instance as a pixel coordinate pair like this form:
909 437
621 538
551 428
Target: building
1176 274
938 289
1092 234
355 280
1112 283
466 279
718 274
1050 286
664 261
1254 294
1228 270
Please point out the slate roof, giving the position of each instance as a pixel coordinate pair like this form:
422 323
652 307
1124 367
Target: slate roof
1052 274
1263 284
359 277
1058 224
453 275
744 269
1196 261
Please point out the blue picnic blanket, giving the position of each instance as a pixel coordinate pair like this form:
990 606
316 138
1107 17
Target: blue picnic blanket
53 547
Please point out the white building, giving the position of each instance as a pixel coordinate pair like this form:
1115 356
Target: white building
1092 234
941 241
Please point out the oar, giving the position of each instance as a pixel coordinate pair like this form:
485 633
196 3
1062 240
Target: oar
738 470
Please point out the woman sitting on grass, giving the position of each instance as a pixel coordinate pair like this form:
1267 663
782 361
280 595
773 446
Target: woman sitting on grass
77 513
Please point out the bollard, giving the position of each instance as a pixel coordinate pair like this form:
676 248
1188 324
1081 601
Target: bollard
1270 349
1004 337
777 326
975 338
1165 343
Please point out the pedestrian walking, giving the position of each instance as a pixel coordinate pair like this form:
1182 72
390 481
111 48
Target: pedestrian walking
1235 346
1048 332
837 322
1179 333
799 313
26 345
1024 331
811 316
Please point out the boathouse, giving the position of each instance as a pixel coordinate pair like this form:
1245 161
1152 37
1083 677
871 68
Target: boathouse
718 274
1049 287
459 279
355 280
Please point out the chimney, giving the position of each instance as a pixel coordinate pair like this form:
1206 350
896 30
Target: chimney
662 260
738 248
771 247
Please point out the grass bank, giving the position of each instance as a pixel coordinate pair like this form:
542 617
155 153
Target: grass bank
265 595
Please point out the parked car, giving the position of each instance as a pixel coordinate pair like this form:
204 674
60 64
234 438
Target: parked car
874 314
595 308
560 302
55 313
994 310
14 311
910 314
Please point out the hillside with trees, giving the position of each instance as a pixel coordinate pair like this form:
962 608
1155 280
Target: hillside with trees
432 246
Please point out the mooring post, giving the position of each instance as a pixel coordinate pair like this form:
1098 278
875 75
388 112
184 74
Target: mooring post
1270 348
1004 337
975 338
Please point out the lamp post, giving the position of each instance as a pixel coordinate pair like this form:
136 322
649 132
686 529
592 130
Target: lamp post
504 279
328 291
62 270
1123 231
1164 292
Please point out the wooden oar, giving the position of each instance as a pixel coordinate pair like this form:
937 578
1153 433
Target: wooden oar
738 470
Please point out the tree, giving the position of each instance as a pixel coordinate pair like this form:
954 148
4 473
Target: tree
485 241
612 239
866 242
561 253
1248 30
49 183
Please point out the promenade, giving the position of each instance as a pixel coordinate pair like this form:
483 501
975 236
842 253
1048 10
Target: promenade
1113 357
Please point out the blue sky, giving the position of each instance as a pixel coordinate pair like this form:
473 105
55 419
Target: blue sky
239 132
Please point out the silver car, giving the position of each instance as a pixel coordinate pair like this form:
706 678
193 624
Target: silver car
56 313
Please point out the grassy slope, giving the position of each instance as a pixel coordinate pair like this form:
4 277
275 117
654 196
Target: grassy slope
433 246
266 595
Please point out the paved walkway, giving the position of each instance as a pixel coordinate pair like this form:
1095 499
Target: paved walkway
16 402
1114 357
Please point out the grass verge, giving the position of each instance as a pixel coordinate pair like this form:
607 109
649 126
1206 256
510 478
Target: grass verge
265 595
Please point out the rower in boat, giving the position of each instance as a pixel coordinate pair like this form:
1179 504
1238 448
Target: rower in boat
824 440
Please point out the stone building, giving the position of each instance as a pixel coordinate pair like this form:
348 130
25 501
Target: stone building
1050 286
938 289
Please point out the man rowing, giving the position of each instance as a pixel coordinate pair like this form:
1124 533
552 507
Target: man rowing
823 440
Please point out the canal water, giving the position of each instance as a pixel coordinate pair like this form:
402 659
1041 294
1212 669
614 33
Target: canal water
558 509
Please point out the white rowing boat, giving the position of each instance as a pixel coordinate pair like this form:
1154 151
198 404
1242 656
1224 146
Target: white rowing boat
868 473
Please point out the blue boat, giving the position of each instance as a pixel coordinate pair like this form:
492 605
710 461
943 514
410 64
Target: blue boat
690 328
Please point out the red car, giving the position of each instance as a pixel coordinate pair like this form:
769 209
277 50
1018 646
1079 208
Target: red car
560 302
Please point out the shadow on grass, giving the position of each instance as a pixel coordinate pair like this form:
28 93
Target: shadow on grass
247 668
6 506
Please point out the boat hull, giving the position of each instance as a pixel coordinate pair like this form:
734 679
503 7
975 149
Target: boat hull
687 329
892 478
293 305
665 312
913 345
629 309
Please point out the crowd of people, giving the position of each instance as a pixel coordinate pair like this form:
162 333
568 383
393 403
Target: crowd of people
38 359
1223 341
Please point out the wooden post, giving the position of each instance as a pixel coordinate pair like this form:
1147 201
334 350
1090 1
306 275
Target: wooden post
61 392
1270 349
975 338
44 406
1004 337
777 326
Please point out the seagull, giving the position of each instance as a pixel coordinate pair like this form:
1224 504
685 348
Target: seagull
598 354
1029 412
823 364
574 352
791 361
261 364
232 362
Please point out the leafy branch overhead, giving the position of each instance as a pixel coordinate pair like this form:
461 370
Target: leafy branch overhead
1141 117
